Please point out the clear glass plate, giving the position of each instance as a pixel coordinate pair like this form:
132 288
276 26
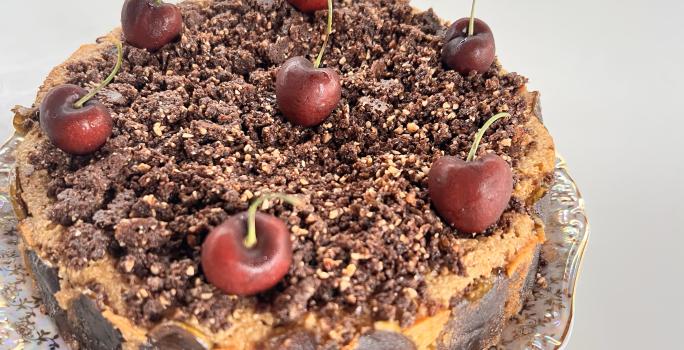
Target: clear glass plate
545 322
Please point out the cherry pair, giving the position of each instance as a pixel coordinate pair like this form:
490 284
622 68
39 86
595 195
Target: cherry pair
249 264
307 95
470 195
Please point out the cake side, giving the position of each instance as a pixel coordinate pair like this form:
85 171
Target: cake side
40 233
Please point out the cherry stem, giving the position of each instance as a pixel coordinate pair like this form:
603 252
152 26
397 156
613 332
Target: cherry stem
481 132
327 34
119 61
251 239
471 25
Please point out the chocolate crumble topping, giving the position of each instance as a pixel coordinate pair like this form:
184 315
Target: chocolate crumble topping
198 135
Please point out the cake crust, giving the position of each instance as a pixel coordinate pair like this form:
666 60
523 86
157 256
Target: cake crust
499 297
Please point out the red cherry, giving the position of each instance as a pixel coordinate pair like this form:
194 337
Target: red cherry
150 24
309 6
464 53
235 269
471 196
307 95
74 130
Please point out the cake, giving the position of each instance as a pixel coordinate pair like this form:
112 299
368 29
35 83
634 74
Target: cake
114 238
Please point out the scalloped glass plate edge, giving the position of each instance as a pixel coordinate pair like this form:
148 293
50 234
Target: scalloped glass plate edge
546 320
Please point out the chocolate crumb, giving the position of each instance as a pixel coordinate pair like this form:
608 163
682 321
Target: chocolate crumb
84 243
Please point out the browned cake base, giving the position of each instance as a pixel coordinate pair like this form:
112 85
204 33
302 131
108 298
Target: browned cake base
464 309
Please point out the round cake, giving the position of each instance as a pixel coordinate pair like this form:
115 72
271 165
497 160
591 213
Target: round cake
114 238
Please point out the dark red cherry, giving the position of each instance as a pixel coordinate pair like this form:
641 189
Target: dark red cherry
308 6
471 196
150 24
306 95
464 53
74 130
235 269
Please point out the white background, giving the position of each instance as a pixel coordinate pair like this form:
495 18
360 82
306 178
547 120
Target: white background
612 81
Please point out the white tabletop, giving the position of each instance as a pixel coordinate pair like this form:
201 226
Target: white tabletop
612 81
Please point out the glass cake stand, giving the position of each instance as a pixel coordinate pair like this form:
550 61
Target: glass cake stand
545 322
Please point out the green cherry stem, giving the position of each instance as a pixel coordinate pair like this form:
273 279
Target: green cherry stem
471 25
481 132
119 61
251 239
327 34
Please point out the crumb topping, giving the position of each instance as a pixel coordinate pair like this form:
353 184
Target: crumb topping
198 134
